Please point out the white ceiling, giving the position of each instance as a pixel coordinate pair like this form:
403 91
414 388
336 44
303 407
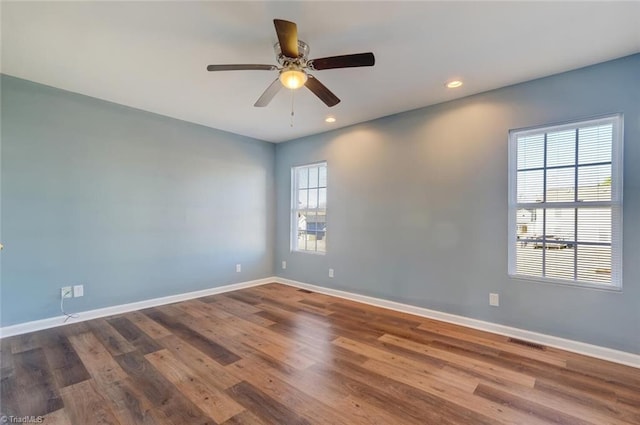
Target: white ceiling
153 55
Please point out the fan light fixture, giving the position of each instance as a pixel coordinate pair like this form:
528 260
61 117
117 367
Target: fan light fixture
293 78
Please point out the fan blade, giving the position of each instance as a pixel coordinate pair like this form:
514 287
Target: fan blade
269 93
344 61
241 67
321 91
288 37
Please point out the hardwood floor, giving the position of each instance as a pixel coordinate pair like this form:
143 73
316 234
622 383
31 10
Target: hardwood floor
279 355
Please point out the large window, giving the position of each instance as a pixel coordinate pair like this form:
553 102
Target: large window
309 208
565 203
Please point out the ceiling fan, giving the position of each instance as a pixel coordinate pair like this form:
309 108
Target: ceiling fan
292 56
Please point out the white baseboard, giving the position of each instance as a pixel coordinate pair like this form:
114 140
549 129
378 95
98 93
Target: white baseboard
53 322
622 357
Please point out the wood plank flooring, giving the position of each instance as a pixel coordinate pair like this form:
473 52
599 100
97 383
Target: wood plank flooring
277 355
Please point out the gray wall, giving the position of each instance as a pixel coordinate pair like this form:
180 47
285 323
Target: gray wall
135 206
417 207
131 204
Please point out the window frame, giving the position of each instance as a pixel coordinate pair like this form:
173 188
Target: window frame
293 227
616 202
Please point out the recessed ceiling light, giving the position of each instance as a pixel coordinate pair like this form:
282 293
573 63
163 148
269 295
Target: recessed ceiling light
330 119
453 84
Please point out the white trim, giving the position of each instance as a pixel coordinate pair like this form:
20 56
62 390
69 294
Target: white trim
53 322
572 284
568 125
604 353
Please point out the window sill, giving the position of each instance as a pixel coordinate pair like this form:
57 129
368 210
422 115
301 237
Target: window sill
298 251
578 284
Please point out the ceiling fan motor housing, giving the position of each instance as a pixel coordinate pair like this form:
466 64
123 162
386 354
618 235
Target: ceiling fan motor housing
300 61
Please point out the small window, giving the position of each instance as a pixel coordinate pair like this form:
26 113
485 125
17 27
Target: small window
565 203
309 208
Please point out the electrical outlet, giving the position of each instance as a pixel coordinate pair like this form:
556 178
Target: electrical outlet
78 291
238 268
494 300
284 265
330 272
66 292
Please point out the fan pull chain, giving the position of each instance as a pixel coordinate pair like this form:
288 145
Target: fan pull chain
292 96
